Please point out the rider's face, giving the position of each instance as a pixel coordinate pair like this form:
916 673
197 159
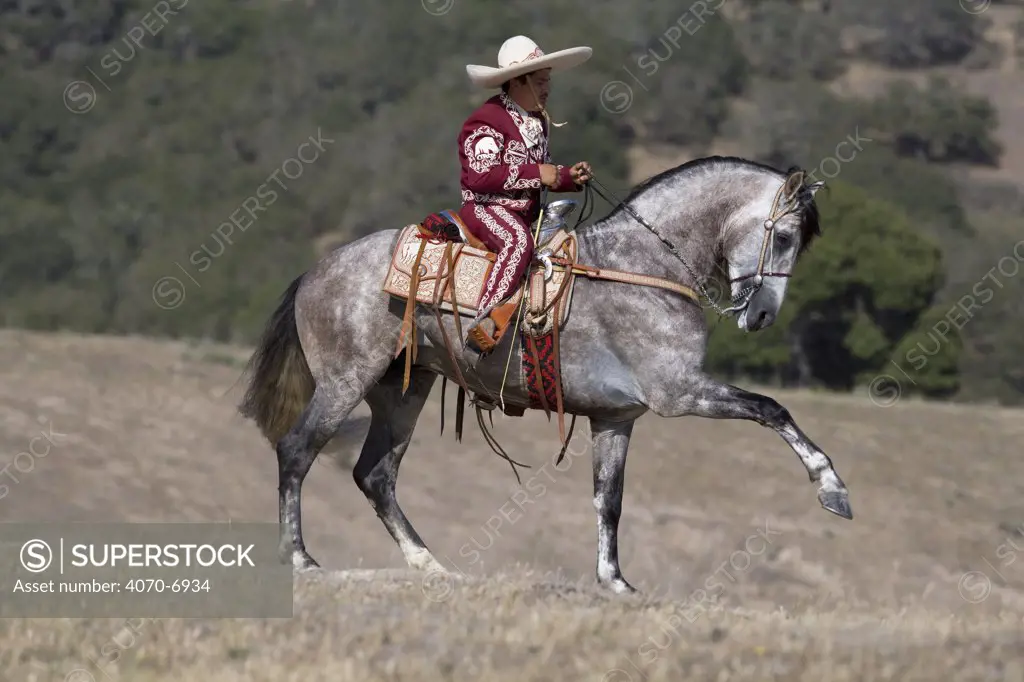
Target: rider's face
541 84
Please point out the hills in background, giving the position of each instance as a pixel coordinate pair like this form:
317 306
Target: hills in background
135 139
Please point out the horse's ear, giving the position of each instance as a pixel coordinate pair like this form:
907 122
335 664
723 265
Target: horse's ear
794 181
815 186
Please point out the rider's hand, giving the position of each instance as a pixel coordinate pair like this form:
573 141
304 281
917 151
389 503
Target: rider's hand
548 174
581 172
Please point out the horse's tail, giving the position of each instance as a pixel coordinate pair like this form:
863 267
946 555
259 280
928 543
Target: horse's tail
280 384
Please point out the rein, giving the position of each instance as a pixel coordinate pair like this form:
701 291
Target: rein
610 198
742 299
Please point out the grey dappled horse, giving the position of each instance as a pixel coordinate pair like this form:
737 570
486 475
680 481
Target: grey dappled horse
625 349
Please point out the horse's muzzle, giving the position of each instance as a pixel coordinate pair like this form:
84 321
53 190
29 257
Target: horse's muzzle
760 311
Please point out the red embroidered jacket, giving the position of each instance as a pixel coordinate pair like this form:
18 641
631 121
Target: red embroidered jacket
501 151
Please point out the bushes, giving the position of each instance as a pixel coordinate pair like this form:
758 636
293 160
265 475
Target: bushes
937 123
913 33
687 76
784 41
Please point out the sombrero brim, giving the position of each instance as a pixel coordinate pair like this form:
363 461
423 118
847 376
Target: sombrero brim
490 77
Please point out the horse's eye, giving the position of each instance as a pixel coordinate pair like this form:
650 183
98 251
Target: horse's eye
783 239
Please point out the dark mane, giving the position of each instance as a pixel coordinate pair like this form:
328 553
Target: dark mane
810 225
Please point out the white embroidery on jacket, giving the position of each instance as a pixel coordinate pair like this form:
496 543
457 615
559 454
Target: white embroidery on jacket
529 127
483 148
515 156
519 193
513 203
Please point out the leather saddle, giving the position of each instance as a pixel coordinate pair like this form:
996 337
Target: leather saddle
440 263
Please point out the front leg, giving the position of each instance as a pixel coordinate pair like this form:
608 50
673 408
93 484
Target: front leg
611 441
705 397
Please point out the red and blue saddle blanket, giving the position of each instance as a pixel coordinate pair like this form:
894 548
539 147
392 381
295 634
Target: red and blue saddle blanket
442 226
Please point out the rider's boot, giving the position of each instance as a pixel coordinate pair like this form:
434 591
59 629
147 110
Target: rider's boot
485 334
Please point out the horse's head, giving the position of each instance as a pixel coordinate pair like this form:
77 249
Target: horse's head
764 239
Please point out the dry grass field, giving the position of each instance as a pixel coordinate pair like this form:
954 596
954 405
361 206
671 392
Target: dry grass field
146 431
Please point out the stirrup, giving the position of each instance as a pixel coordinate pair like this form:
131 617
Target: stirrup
544 258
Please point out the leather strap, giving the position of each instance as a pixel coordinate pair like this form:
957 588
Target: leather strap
471 238
558 370
558 295
407 334
629 278
460 413
538 379
440 320
536 291
451 285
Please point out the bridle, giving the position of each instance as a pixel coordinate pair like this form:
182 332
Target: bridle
768 245
741 300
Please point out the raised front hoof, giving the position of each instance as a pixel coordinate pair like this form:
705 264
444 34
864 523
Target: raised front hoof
836 502
616 586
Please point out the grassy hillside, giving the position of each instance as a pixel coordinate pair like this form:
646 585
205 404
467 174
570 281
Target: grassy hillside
367 625
146 431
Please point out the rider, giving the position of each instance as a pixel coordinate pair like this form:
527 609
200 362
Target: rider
503 148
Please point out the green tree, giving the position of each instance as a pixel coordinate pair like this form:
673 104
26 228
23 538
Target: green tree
801 122
783 41
938 123
103 205
687 76
926 361
912 33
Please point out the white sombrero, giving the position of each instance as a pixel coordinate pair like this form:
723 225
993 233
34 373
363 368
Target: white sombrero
519 55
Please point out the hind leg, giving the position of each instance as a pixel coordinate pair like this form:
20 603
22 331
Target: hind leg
393 419
295 454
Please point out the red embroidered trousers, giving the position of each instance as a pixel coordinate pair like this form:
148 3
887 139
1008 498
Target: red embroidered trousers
507 234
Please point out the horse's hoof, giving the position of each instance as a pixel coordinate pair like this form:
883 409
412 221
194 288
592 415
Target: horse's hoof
836 502
303 563
618 586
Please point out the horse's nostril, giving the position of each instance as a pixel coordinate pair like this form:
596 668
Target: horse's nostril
760 321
